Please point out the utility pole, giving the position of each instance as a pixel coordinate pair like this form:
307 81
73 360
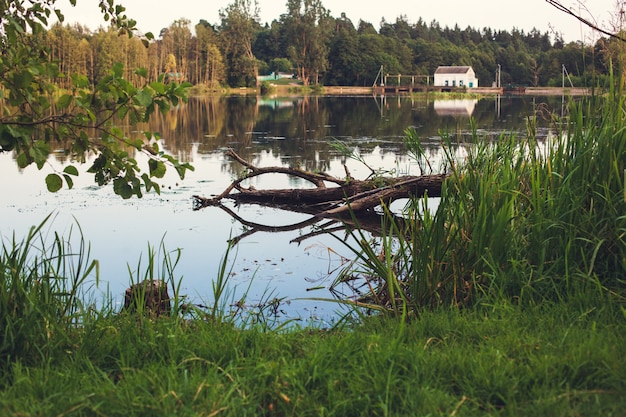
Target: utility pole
498 77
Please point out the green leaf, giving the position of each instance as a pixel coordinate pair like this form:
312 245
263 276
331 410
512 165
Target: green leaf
118 69
23 79
60 16
23 160
144 97
54 183
80 81
157 168
69 181
39 152
98 164
142 72
64 101
158 87
71 170
122 188
181 169
148 182
137 143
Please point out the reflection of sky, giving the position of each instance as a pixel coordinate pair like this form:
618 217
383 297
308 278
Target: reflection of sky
119 231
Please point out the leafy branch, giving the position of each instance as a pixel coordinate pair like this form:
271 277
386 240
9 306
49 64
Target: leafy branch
37 113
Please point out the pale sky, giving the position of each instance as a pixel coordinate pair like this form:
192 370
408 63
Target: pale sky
153 15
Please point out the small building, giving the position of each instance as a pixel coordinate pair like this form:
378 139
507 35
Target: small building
455 76
174 77
275 76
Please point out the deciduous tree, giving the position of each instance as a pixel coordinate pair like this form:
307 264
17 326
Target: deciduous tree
307 26
240 24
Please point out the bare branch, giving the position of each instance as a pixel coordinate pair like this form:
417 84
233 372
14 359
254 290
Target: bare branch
593 26
350 194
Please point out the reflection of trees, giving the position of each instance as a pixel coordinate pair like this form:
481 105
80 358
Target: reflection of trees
297 130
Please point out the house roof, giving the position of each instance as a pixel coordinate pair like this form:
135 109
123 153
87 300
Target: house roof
452 70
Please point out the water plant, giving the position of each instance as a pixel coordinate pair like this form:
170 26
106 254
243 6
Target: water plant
519 219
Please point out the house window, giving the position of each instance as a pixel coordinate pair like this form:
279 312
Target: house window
446 83
460 83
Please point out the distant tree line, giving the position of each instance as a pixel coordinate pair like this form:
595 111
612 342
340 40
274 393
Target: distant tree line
320 49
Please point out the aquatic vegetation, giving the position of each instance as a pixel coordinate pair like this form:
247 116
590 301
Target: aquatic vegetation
519 219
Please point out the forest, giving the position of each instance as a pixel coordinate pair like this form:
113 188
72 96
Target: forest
317 48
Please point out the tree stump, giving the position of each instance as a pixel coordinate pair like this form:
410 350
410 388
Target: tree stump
149 297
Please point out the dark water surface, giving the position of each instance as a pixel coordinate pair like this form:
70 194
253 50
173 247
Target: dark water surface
267 132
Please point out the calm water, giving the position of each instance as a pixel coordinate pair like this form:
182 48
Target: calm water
266 132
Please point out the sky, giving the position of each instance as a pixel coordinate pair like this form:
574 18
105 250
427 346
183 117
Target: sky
153 15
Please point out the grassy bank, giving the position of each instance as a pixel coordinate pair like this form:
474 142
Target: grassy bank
555 359
507 299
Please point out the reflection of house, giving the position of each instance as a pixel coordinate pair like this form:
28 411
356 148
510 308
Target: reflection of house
455 77
276 103
455 107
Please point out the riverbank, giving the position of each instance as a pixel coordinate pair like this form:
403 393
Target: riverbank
535 91
297 89
496 360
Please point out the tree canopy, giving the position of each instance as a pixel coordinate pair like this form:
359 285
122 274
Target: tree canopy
317 47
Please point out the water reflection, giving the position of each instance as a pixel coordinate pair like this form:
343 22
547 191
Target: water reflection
463 108
298 128
287 131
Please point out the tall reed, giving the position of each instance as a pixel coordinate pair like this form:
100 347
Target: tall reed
42 292
519 218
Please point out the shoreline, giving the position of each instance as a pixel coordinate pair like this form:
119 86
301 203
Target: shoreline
298 90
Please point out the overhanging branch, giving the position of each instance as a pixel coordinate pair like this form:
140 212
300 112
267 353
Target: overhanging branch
561 7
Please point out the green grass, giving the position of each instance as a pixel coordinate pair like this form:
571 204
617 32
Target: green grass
41 293
548 360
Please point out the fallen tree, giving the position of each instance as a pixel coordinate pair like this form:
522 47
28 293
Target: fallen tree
324 201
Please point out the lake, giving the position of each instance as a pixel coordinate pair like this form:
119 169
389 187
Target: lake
266 131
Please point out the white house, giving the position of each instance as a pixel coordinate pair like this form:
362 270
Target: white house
455 77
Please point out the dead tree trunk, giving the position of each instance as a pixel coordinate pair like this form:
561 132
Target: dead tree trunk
345 194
